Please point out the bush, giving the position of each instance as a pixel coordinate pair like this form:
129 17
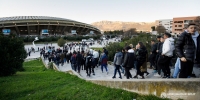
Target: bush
145 38
50 65
12 55
112 47
61 42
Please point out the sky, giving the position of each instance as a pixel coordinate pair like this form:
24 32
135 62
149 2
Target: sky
89 11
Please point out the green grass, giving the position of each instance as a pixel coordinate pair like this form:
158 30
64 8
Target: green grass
38 83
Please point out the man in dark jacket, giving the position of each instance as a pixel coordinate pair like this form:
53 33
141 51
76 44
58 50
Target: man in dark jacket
158 47
88 63
153 53
128 61
159 63
187 49
78 61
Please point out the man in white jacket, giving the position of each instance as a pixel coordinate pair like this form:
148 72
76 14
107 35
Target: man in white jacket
167 53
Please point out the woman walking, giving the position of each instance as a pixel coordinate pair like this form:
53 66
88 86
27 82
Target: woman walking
141 53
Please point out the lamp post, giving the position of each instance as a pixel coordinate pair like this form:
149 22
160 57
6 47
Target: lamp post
34 46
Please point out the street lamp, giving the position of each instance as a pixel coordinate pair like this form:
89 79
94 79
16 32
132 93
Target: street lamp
34 46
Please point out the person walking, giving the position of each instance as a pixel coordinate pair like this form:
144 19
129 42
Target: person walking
187 49
159 63
88 64
117 63
78 61
103 61
73 61
141 54
167 54
153 53
128 61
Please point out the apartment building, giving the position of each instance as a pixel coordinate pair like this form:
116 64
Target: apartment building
179 23
167 23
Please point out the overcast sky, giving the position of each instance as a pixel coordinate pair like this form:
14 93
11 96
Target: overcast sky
89 11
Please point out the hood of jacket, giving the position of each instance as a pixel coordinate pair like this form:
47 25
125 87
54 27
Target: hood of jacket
196 34
170 39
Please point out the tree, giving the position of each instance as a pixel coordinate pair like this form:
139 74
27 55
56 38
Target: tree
130 32
153 28
197 22
61 42
12 55
160 29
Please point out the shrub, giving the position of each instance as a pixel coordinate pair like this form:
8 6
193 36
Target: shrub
50 65
145 38
12 55
112 47
61 42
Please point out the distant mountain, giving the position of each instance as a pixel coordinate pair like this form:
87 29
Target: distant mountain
119 25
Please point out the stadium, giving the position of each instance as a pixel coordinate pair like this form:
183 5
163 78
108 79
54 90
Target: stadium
44 25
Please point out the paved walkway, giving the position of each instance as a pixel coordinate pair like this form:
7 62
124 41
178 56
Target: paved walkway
98 72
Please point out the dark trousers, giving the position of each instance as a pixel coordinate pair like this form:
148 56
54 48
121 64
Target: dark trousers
88 69
139 70
128 74
156 62
153 60
96 62
92 67
78 67
186 69
163 63
159 65
83 67
117 70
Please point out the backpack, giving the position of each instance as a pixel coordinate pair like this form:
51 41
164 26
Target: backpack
89 60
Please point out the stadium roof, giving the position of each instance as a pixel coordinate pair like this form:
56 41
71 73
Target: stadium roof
32 18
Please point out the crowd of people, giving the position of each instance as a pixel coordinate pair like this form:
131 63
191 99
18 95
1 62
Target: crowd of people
185 51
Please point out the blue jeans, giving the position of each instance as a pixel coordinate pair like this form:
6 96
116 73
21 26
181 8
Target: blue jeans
73 66
121 68
176 69
65 60
105 66
117 69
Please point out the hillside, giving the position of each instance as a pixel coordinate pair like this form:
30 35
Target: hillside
119 25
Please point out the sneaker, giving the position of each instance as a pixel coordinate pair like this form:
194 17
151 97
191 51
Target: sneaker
157 75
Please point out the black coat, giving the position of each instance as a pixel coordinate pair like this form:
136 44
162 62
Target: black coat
141 55
154 48
185 46
129 59
78 58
